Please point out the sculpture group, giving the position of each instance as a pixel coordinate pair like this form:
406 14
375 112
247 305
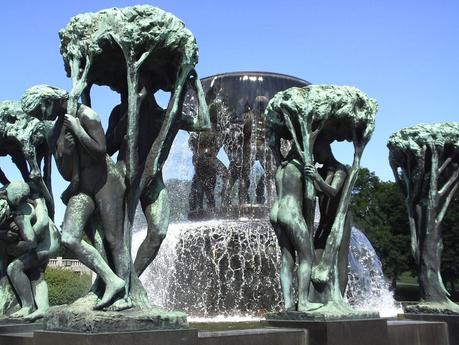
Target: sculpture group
137 51
311 118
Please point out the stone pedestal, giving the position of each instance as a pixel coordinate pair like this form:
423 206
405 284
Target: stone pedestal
265 336
80 317
339 332
16 326
157 337
452 322
12 332
403 332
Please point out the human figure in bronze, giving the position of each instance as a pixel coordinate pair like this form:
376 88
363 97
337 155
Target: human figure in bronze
328 181
311 118
37 240
154 197
294 236
207 166
99 188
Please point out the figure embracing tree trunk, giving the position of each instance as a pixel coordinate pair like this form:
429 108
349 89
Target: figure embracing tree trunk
311 118
425 162
136 51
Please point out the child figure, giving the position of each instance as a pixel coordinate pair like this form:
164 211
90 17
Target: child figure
32 238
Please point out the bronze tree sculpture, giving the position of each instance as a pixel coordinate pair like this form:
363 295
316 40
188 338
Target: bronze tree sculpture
311 118
425 162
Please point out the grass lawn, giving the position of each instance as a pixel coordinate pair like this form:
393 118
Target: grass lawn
408 289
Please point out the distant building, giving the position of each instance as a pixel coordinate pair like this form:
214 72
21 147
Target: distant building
71 264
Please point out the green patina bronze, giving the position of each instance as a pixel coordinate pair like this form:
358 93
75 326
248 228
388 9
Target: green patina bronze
310 119
24 139
136 51
425 162
28 238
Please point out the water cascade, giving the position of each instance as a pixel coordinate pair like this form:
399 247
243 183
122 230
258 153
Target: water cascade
220 257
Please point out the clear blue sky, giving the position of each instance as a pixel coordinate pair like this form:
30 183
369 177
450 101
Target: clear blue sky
403 53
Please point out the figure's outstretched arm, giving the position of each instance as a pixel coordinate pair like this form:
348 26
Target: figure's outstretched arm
202 120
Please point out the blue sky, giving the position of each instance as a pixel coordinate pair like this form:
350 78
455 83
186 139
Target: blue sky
405 54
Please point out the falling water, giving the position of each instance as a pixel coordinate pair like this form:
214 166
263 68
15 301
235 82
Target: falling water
230 269
367 288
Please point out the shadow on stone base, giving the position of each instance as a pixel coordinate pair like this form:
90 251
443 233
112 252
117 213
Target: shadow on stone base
160 337
403 332
452 322
342 332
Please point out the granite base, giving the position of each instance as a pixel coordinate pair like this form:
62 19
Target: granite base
265 336
156 337
408 332
339 332
452 321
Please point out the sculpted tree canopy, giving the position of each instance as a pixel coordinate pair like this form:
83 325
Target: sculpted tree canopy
425 162
24 138
136 51
133 50
312 118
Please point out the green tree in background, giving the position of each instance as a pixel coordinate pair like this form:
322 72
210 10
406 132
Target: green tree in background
450 258
378 210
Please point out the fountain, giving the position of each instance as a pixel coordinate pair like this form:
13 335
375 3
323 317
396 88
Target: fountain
220 257
238 138
222 268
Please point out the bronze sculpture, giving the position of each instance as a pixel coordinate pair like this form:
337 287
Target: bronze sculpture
425 162
311 118
30 239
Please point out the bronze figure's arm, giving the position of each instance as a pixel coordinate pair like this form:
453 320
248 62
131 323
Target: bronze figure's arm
88 130
28 238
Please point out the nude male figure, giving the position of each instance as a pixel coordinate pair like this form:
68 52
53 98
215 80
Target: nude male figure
99 187
154 198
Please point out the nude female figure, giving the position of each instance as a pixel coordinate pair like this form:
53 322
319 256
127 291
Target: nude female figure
294 236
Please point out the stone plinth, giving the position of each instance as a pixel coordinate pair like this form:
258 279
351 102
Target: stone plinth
265 336
403 332
339 332
325 313
81 319
157 337
452 322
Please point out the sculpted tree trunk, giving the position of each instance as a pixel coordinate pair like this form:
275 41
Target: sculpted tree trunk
320 114
136 51
425 162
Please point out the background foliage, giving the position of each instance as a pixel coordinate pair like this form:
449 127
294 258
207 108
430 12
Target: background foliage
378 209
66 286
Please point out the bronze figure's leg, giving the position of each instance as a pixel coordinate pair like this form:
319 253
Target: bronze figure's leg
155 203
79 209
21 282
